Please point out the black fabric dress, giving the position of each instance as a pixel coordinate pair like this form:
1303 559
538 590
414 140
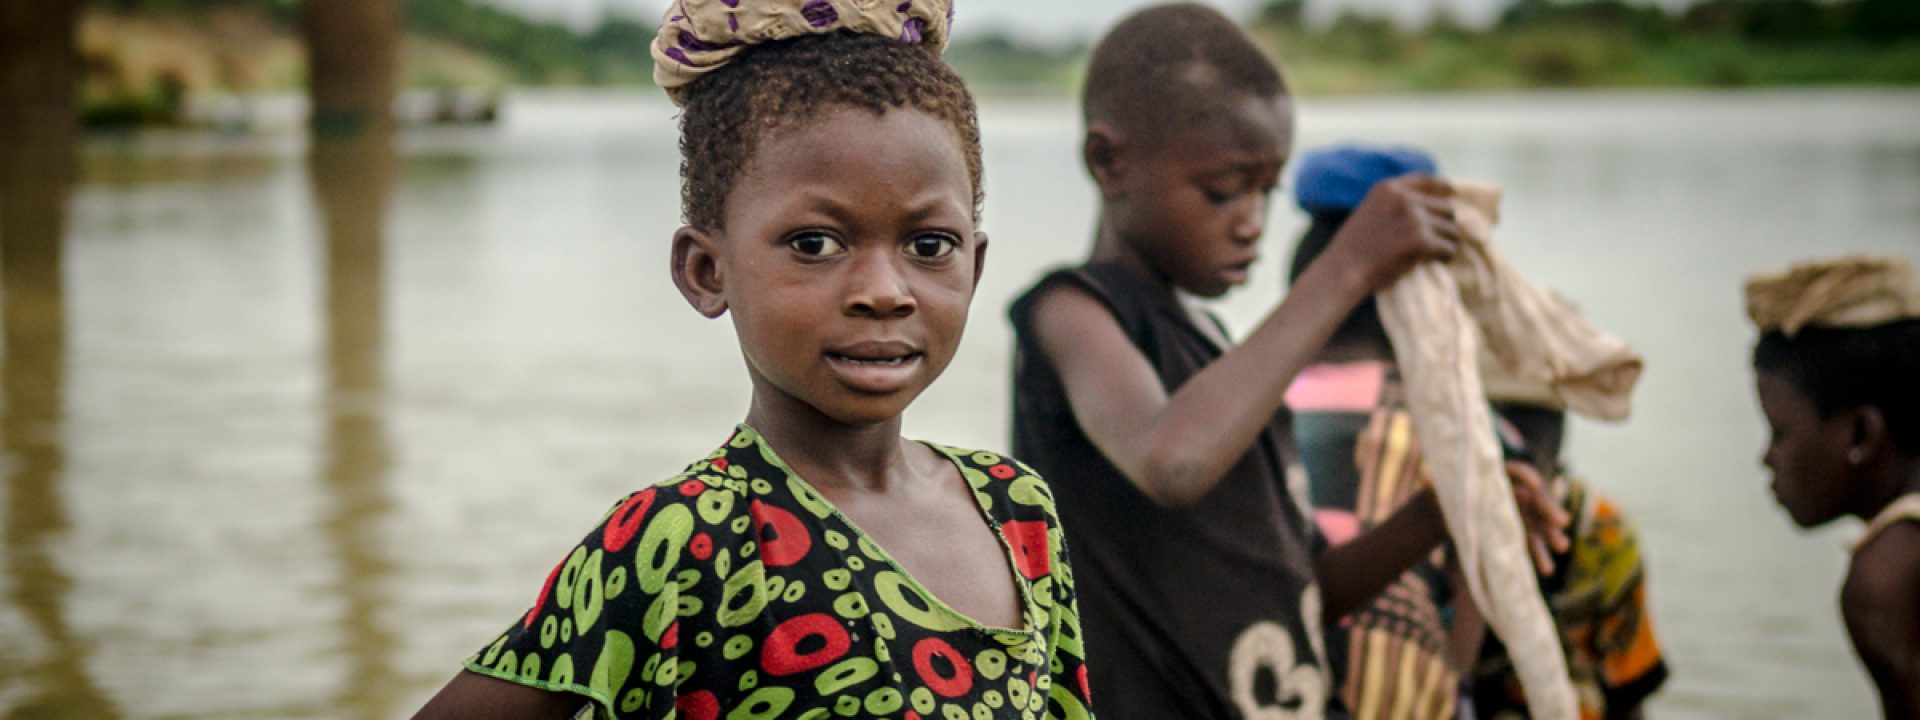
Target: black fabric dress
1209 611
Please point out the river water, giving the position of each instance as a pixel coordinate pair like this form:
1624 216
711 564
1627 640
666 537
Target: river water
285 441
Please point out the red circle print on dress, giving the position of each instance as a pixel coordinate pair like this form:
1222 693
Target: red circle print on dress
1002 471
1028 538
701 547
544 589
804 643
625 522
953 683
670 637
700 705
783 538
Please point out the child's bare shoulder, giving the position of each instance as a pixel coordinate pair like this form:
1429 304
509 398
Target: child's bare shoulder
1882 591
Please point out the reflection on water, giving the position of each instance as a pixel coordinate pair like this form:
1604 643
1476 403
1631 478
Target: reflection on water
44 659
289 429
352 177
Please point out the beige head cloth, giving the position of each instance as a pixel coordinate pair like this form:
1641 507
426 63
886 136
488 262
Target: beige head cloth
699 36
1844 292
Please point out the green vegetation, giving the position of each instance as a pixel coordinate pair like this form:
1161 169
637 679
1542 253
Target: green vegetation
1607 43
142 57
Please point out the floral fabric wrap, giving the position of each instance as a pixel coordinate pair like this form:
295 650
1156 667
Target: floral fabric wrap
699 36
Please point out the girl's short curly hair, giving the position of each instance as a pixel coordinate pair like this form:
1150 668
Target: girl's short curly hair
730 110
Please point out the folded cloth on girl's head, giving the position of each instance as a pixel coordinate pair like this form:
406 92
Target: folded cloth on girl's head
1435 316
700 36
1850 291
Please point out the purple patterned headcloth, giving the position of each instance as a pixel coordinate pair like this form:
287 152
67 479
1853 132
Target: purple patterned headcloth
699 36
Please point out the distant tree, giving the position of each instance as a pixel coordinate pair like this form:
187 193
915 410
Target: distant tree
1646 21
1780 22
1286 13
1885 19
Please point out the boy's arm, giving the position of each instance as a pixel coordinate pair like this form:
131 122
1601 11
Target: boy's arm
472 695
1881 604
1176 448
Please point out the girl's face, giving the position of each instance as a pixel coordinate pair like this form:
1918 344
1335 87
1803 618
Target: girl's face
1807 452
848 261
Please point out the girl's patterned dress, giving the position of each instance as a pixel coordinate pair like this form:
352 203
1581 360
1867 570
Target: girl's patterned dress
735 590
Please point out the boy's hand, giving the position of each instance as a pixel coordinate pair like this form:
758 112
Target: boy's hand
1546 523
1402 222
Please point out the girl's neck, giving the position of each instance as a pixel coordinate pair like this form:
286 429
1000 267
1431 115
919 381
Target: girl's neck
830 454
1108 246
1901 478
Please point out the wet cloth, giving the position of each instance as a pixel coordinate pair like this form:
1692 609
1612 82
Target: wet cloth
1363 463
1905 508
1435 316
1853 291
734 589
1599 599
699 36
1209 611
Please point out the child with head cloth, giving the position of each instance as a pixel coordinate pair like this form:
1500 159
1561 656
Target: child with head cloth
1838 372
816 564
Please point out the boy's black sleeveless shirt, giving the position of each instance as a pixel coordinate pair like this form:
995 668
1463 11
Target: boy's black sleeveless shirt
1209 611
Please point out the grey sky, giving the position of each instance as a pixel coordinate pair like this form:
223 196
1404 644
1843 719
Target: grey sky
1046 19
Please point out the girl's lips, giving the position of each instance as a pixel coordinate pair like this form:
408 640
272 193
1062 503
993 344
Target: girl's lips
874 373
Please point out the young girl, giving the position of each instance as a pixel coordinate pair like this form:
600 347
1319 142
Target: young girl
1838 372
816 563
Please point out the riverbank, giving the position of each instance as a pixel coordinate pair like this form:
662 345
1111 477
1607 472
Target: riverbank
148 64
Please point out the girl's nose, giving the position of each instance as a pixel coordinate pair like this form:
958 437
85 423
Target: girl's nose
877 286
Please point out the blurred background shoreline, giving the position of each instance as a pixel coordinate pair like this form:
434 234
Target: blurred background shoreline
233 64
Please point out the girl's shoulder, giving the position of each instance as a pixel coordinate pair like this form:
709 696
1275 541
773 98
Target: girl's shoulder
1006 487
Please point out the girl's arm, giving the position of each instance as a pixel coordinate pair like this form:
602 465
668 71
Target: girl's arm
1353 573
472 695
1881 604
1175 448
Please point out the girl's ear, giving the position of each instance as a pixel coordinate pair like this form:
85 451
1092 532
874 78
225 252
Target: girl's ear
1102 150
979 256
697 271
1869 429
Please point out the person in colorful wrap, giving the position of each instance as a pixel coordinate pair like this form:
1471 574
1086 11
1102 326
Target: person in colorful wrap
1837 368
1202 581
1363 463
816 564
1597 591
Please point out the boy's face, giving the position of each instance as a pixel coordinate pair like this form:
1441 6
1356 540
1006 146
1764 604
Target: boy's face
848 261
1194 201
1806 452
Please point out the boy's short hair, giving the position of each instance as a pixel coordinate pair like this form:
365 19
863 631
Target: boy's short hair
729 110
1167 66
1842 368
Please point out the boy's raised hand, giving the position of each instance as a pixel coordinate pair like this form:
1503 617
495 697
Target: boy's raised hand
1401 223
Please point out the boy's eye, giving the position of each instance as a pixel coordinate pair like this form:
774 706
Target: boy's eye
815 244
932 246
1218 197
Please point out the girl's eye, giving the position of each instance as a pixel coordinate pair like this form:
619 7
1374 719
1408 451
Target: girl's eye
1217 197
815 244
932 246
